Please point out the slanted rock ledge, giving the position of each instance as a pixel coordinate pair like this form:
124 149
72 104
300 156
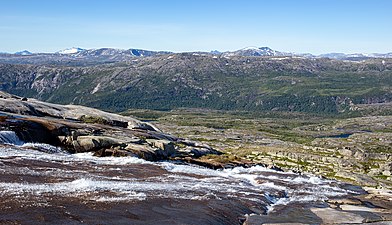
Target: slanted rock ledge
82 129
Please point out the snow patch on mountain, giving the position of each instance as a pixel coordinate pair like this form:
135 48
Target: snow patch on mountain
24 52
73 50
257 51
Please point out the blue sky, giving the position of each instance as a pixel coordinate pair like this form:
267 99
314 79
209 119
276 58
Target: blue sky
314 26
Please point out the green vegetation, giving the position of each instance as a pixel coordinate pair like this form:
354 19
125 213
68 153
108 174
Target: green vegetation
91 119
289 140
383 177
315 115
254 84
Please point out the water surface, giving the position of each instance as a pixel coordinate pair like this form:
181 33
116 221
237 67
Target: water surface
42 183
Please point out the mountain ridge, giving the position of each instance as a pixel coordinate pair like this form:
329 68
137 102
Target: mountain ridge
198 80
247 51
72 50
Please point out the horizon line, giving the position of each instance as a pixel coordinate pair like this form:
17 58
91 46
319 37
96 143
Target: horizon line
190 51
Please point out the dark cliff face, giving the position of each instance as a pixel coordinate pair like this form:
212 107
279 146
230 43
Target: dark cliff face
209 81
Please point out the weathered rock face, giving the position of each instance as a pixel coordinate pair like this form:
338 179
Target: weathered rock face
83 129
30 130
31 107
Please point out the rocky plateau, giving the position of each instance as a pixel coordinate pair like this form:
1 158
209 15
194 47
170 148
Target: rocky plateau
81 129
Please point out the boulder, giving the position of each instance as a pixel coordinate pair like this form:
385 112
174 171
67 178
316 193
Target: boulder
199 152
94 143
146 152
386 169
166 146
116 152
346 152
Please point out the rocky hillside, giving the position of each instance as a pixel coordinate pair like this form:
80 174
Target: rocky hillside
277 83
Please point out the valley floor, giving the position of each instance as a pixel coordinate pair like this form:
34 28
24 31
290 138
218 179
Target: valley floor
356 150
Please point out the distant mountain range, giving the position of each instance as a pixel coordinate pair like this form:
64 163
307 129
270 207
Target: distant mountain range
266 51
117 80
126 54
355 56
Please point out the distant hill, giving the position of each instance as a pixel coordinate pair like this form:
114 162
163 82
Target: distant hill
167 81
255 51
76 56
25 52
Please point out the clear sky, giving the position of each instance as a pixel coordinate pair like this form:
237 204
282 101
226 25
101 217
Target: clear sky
314 26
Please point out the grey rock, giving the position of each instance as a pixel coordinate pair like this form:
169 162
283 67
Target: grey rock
83 129
165 145
71 112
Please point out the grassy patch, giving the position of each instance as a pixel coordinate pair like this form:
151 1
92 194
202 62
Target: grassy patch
93 119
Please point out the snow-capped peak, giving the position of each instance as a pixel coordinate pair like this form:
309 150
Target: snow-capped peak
257 51
250 48
71 50
24 52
